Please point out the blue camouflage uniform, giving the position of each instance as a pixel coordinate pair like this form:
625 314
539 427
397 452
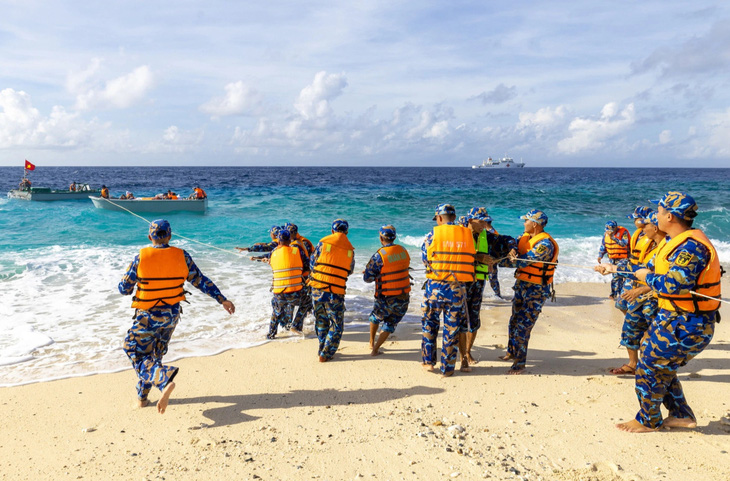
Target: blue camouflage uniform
147 340
674 338
494 271
388 310
529 297
329 308
617 281
266 247
283 304
305 299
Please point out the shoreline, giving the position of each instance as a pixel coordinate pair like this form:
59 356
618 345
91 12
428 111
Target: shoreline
274 412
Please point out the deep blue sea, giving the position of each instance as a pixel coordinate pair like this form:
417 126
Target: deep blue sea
60 262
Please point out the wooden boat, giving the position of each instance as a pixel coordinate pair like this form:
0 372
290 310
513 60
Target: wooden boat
47 194
150 204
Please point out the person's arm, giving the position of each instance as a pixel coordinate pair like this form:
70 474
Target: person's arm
500 245
540 252
372 270
602 250
424 248
623 241
126 285
263 247
315 255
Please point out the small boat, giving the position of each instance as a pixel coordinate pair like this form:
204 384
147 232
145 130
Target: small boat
150 204
504 162
47 194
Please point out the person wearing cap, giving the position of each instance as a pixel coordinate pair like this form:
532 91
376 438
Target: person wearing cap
287 263
266 247
331 263
493 269
389 269
685 277
536 258
305 301
615 244
104 194
635 246
448 254
488 248
159 273
641 306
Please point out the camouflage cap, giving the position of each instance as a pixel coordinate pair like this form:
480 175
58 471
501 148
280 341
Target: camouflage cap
444 209
292 228
611 225
388 232
536 216
463 221
274 230
283 235
678 203
651 218
340 225
639 213
478 213
160 229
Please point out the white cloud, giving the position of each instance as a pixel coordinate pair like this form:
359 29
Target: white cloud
591 134
238 99
22 125
121 92
314 100
176 140
543 121
665 137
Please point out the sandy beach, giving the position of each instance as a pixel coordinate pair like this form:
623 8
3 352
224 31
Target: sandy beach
273 412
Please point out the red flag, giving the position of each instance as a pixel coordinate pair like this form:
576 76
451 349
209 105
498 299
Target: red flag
29 166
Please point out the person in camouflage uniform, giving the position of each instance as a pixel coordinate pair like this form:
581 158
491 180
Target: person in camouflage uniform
158 299
391 303
283 303
265 247
305 302
685 276
494 270
533 285
445 297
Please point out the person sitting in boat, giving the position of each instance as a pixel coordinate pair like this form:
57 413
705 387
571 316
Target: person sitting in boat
104 192
72 187
129 195
172 195
25 184
161 196
198 193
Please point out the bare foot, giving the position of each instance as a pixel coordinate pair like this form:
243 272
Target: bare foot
162 403
471 359
428 367
464 366
672 422
447 374
142 403
506 357
376 352
322 359
516 372
634 426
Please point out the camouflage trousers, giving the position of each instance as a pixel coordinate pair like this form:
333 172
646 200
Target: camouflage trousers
145 344
672 342
617 282
329 321
619 303
448 299
282 310
389 310
636 321
526 307
474 293
494 280
305 307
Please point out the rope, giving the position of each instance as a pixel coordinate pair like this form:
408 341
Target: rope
709 297
178 235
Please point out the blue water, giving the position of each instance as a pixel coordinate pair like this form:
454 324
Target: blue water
60 262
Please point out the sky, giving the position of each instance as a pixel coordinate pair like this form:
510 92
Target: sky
366 83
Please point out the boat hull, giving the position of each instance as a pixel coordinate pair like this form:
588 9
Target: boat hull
159 206
46 195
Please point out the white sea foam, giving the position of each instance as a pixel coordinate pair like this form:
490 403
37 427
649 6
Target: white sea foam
62 314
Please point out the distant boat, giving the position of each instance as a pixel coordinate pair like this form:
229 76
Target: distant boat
504 162
47 194
150 204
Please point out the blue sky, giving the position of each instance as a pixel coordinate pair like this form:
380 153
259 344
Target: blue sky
365 83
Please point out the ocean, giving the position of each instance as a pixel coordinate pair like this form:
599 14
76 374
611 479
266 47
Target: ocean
61 314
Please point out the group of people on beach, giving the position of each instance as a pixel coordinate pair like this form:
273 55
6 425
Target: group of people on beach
674 267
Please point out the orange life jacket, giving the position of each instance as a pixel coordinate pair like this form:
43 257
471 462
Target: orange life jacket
161 274
287 266
72 187
105 193
394 279
637 242
333 265
707 283
613 249
298 244
536 272
200 193
451 254
647 253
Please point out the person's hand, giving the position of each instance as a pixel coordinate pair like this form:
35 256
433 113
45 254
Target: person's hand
631 294
229 307
600 259
512 255
242 249
266 260
601 269
483 258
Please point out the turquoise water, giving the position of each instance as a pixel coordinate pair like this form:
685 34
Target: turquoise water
60 262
